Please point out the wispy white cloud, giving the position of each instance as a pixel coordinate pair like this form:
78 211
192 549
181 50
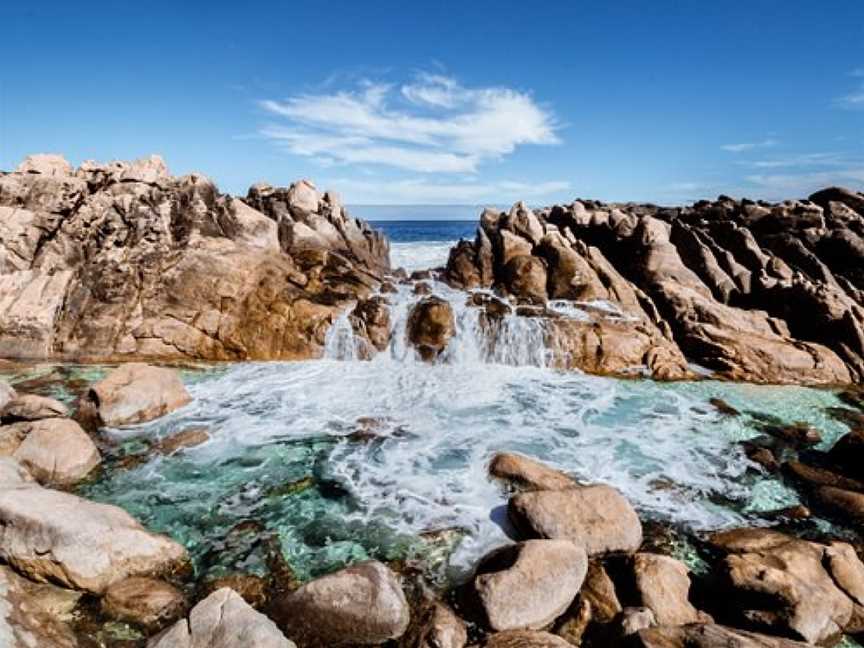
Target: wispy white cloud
799 160
432 124
423 191
786 185
855 99
749 146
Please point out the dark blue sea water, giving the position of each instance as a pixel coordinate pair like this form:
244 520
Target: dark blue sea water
413 231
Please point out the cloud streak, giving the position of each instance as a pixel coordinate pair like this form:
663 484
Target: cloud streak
855 99
749 146
431 125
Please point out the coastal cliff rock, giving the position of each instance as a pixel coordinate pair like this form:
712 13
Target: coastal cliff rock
123 261
751 290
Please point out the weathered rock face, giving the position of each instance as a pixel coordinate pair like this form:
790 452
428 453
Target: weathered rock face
709 636
436 626
525 639
596 517
30 407
529 585
134 393
663 586
362 604
755 291
123 261
57 537
25 622
793 587
430 326
222 620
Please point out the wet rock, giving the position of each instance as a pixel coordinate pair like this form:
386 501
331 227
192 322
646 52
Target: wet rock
528 585
188 438
527 474
222 620
597 517
723 407
813 476
371 320
761 455
525 639
436 626
30 407
362 604
28 620
708 636
430 326
57 451
252 588
135 393
145 602
52 536
524 277
844 506
422 288
663 586
798 434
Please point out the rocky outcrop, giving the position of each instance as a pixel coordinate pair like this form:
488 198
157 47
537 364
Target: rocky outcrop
430 326
222 620
596 517
146 602
663 586
51 536
134 393
25 619
529 585
362 604
754 291
123 261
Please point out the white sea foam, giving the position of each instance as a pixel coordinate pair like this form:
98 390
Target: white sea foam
419 256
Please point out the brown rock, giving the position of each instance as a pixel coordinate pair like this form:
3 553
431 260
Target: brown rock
371 319
145 602
528 474
663 586
57 451
528 585
525 639
436 626
596 517
29 619
136 393
30 407
188 438
599 590
430 326
362 604
252 588
524 277
709 636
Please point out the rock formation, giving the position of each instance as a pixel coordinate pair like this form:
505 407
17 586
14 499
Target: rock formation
754 291
122 261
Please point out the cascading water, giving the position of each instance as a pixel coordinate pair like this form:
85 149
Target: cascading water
342 459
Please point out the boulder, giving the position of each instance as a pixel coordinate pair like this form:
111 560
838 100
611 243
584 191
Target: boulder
709 636
435 626
135 393
30 407
51 536
49 164
596 517
527 474
663 586
6 394
529 585
222 620
634 619
27 620
145 602
599 591
430 326
525 639
252 588
362 604
57 451
371 320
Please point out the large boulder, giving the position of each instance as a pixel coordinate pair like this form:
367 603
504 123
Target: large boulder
362 604
51 536
222 620
430 326
529 585
596 517
135 393
663 586
30 407
57 451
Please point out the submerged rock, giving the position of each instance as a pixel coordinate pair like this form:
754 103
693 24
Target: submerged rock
430 326
362 604
222 620
596 517
57 537
527 474
135 393
529 585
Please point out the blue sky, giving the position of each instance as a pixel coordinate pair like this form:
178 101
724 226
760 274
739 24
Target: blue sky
482 102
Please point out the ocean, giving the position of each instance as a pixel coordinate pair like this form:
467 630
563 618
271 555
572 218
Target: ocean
339 459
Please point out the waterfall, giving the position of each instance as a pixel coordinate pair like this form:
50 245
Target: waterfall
340 342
